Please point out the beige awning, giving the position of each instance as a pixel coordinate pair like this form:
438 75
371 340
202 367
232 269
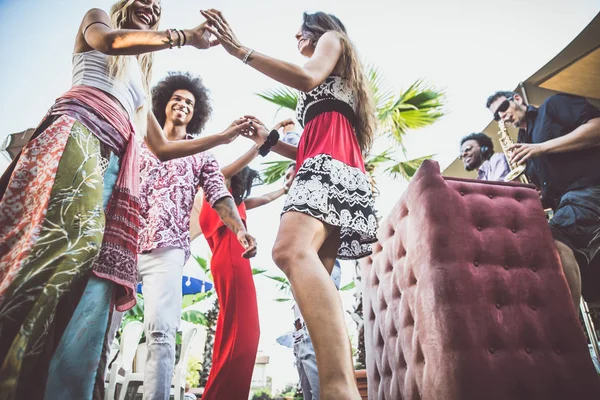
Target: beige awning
575 70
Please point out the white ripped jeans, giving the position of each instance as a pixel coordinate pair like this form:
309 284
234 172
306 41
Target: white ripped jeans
160 273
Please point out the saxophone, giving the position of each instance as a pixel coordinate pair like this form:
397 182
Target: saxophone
516 170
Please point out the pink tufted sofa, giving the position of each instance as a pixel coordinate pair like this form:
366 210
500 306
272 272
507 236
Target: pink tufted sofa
464 299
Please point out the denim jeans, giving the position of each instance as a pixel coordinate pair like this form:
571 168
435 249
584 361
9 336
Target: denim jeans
306 363
160 273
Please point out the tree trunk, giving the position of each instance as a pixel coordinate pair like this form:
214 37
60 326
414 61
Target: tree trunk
211 318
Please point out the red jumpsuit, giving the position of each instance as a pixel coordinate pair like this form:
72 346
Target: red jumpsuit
237 331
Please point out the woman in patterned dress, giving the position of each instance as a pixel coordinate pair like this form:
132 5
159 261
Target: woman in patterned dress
328 212
69 206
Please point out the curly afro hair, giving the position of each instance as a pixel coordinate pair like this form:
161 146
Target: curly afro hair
162 92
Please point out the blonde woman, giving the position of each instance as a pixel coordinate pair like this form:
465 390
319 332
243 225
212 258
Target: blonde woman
69 206
328 212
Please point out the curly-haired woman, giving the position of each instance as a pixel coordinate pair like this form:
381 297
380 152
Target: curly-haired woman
69 206
328 213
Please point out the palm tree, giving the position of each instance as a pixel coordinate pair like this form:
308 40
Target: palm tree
416 107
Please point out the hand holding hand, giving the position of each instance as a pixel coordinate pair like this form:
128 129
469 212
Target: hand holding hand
259 133
248 242
199 37
219 27
239 126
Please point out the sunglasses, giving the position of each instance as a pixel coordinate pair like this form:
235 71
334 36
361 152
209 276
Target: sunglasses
502 108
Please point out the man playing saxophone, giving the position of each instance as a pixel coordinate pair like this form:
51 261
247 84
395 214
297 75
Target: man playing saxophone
477 152
559 143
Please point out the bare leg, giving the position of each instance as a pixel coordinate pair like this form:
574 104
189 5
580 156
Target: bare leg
571 271
296 252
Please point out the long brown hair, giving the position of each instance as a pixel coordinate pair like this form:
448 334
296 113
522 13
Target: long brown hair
313 27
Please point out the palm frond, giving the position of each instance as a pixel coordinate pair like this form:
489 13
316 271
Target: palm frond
382 94
275 171
416 107
282 96
406 169
374 161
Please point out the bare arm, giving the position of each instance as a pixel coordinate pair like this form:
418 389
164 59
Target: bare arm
239 164
583 137
259 136
96 33
166 150
228 213
322 63
255 202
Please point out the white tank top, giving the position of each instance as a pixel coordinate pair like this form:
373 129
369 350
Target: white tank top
91 69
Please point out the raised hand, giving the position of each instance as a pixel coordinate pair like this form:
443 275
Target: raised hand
219 27
259 132
239 126
199 37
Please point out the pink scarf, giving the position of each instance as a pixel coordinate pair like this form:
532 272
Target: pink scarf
117 261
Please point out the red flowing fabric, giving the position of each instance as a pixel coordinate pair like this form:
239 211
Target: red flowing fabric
237 331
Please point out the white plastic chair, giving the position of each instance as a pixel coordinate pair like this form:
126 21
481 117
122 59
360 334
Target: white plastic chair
132 332
177 384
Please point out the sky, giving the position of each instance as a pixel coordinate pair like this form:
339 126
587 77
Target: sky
467 48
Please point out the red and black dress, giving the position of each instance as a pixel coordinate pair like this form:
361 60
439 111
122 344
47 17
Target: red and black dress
331 184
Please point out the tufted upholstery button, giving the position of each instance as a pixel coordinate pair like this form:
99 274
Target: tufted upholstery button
533 307
506 267
528 350
513 230
534 268
490 196
462 193
518 199
479 228
476 264
492 350
498 306
558 351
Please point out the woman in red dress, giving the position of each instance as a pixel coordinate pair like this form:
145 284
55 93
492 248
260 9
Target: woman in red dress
237 331
328 213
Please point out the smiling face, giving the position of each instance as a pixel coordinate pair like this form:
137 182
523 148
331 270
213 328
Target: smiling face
143 14
305 46
470 153
180 107
510 111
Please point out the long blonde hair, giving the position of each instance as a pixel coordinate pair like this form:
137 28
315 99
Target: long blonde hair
117 65
313 27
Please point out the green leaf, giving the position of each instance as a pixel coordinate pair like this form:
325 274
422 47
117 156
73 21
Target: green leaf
274 171
256 271
191 299
282 96
407 169
194 317
278 279
283 299
202 263
347 287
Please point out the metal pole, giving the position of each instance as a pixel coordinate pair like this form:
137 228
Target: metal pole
589 327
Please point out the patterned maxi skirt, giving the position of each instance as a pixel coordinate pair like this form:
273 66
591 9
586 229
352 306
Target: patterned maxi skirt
51 230
331 184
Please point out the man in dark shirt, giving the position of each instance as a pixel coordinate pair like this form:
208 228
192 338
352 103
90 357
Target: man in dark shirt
560 144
